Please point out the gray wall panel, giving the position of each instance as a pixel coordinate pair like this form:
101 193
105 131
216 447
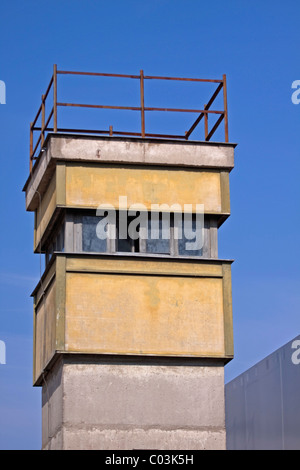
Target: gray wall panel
262 404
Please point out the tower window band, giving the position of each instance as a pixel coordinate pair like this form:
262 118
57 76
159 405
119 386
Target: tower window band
152 233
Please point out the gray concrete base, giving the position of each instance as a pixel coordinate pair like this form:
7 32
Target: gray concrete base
122 403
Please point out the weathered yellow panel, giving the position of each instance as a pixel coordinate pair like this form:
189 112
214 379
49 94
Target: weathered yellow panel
89 185
144 315
228 320
45 329
45 211
137 265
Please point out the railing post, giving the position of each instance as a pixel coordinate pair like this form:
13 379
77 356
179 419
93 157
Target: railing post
225 108
43 121
30 147
55 98
205 123
142 102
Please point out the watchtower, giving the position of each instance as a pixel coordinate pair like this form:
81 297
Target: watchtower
133 312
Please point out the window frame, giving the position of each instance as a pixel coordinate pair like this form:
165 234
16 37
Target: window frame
70 230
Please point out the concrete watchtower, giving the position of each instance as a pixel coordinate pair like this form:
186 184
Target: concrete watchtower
131 333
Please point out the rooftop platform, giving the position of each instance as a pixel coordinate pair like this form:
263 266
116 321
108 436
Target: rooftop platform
125 151
44 123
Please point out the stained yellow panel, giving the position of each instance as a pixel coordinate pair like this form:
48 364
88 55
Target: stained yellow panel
137 265
45 330
89 186
144 315
45 211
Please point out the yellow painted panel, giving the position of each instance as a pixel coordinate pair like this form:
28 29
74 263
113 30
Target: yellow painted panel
144 315
89 186
45 329
47 279
228 320
139 266
45 211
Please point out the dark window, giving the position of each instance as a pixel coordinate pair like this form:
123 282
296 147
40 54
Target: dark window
191 241
159 234
90 240
128 240
154 233
56 243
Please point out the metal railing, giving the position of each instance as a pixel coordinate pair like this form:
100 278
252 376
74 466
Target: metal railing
203 113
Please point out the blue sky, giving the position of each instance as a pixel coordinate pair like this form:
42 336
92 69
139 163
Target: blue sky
256 43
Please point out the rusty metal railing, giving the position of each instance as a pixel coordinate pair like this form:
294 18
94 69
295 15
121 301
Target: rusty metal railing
203 113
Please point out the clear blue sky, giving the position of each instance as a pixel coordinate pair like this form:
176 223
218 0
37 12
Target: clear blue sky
256 43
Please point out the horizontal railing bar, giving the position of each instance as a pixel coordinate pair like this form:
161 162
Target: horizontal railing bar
78 105
87 131
183 79
136 108
151 77
215 127
166 136
135 134
204 111
66 72
82 131
97 131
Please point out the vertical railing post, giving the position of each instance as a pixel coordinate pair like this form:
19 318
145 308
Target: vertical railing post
55 98
225 108
142 103
30 147
43 122
205 123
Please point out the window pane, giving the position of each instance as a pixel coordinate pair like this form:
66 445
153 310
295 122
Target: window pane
158 240
90 241
128 244
189 237
125 245
60 240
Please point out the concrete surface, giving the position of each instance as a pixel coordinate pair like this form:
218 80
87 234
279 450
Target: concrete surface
124 403
126 151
